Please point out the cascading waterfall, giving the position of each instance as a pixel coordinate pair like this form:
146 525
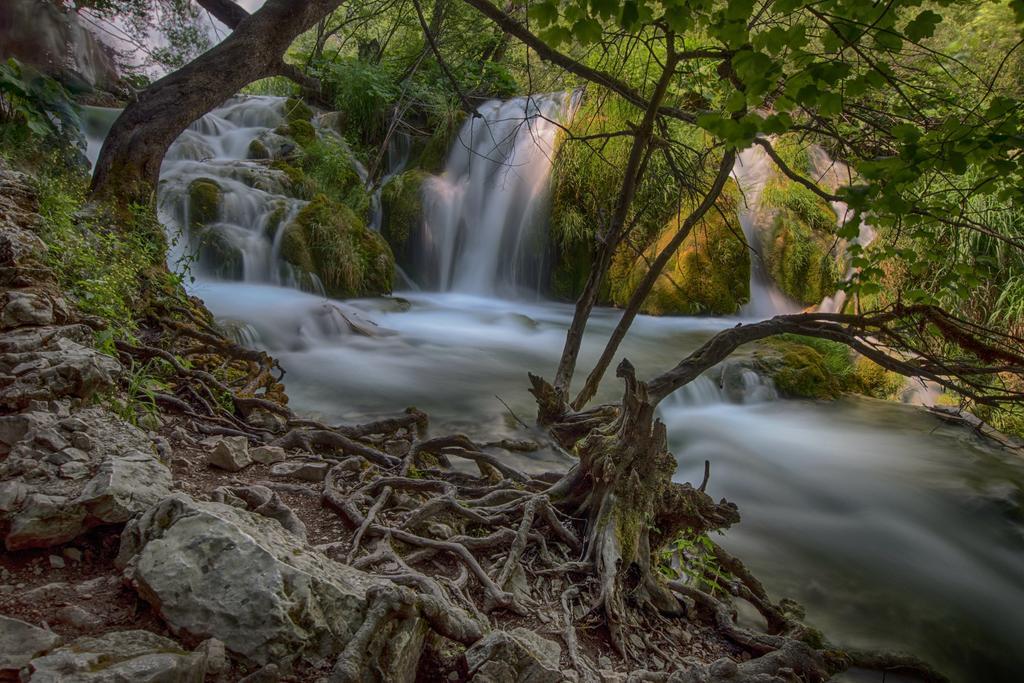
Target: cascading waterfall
483 225
836 174
751 171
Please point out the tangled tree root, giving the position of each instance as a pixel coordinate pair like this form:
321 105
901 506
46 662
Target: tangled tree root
466 552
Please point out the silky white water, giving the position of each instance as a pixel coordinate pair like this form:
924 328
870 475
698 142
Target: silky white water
889 527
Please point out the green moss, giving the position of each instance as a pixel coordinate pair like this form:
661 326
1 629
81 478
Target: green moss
872 379
586 180
708 274
204 200
800 253
329 240
217 255
330 168
402 205
257 150
434 154
807 367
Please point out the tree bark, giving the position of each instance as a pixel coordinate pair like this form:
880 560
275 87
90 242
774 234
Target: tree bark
614 234
653 272
129 163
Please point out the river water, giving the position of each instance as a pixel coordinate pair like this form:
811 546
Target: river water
890 527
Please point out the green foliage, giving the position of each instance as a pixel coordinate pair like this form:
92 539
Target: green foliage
39 103
328 240
100 262
363 92
330 169
709 273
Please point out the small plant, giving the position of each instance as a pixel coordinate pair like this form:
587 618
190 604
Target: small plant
692 559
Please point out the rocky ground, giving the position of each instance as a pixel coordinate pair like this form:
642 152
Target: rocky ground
161 553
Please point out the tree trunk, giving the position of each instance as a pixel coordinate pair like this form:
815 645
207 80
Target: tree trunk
653 272
612 237
622 487
129 164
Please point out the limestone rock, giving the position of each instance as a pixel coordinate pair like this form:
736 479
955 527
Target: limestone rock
262 501
307 470
516 655
50 491
137 656
213 570
230 453
266 455
20 643
42 363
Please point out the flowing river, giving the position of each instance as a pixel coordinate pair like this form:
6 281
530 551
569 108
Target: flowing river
893 529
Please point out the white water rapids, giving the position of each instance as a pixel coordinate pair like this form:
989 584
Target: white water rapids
891 528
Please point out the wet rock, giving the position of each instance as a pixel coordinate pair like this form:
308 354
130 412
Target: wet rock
230 453
213 570
120 656
20 643
306 470
266 455
516 655
56 561
267 674
50 496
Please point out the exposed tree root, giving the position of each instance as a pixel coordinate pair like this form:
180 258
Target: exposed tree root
464 551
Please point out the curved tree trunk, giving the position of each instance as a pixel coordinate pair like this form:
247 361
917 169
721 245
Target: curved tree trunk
129 163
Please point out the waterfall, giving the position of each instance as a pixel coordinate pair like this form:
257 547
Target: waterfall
483 229
836 174
751 171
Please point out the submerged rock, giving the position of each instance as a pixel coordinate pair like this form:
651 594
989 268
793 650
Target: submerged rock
213 570
137 656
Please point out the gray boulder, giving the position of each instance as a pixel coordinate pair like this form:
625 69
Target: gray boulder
517 655
267 455
304 469
43 363
136 656
216 571
230 453
52 491
20 643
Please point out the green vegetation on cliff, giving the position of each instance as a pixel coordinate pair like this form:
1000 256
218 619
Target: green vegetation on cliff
709 273
402 207
807 367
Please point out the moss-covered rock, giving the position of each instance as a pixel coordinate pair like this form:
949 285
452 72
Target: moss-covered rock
217 256
258 150
328 240
297 122
806 367
433 152
402 206
585 182
708 274
800 250
330 167
204 201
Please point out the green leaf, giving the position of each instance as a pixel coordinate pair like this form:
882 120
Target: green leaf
922 26
587 30
544 13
